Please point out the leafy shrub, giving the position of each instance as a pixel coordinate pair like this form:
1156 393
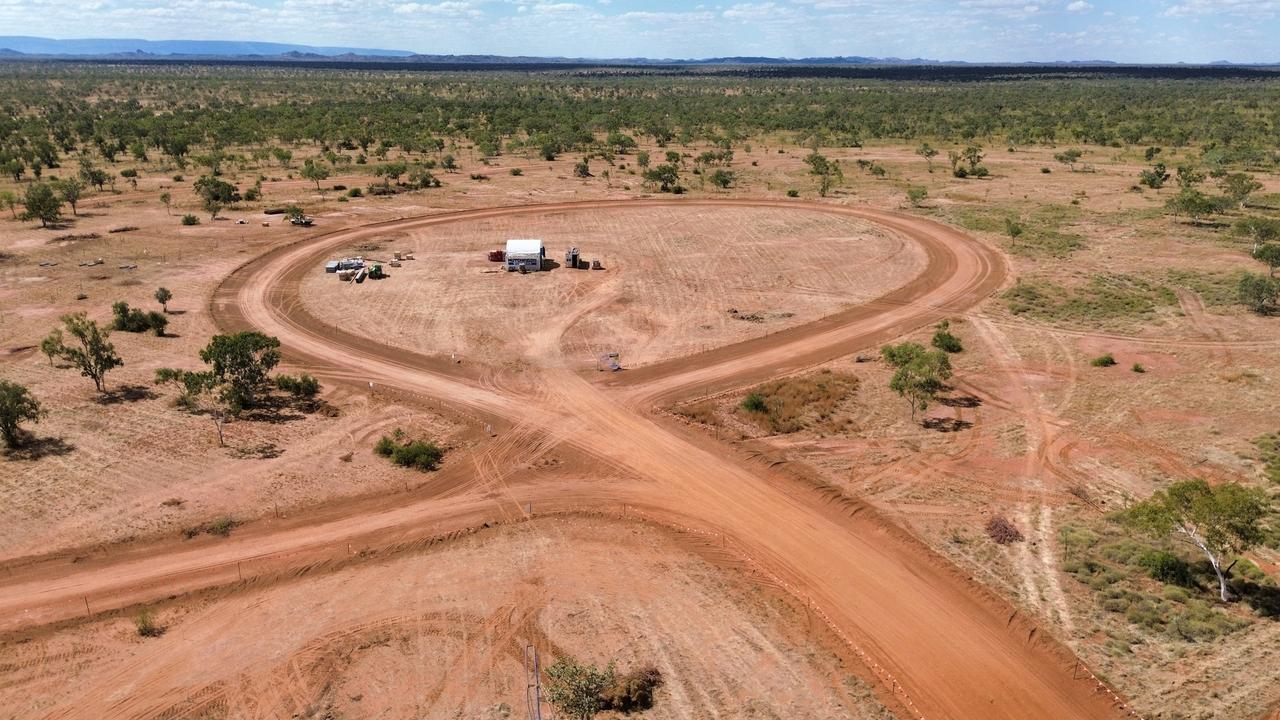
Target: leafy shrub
190 219
517 172
1138 368
1000 529
146 625
1103 360
355 192
418 454
1166 567
133 320
945 341
302 386
755 403
793 193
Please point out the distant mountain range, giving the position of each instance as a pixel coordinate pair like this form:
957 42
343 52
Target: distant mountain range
17 47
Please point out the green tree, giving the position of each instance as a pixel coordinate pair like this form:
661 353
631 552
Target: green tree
163 296
1237 187
828 172
1013 229
166 199
582 169
642 159
282 156
1269 254
17 405
666 175
576 690
241 361
920 374
1220 520
1155 178
916 195
9 200
215 194
314 171
944 340
92 353
1261 229
1192 203
722 178
50 345
69 191
1069 157
1189 177
928 153
42 204
1259 293
202 393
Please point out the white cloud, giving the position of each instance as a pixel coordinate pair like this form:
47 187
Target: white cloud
1079 6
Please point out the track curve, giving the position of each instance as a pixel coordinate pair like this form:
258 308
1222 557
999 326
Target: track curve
952 648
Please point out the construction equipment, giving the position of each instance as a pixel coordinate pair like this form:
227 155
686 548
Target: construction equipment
361 274
376 273
571 258
595 265
608 361
497 255
331 266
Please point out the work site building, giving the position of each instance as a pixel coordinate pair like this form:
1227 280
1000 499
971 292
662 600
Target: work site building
525 255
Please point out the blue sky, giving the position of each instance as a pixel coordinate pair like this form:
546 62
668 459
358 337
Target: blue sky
976 30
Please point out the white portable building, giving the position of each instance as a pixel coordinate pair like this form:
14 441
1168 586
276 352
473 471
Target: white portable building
526 254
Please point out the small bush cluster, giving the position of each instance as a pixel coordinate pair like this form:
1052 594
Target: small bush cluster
417 454
221 527
792 404
146 625
303 387
190 219
1153 587
1103 360
945 341
127 319
1000 529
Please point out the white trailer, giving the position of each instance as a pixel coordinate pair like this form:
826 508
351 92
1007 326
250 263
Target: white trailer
525 255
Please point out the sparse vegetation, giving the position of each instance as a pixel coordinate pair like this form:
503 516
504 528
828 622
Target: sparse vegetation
1103 297
1104 360
792 404
146 625
1222 521
920 374
17 406
944 340
417 454
92 353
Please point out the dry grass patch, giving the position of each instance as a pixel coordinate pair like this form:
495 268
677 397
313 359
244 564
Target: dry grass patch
792 404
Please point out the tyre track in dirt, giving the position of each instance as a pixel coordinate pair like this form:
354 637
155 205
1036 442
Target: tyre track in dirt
951 648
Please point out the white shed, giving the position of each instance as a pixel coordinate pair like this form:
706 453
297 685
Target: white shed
525 254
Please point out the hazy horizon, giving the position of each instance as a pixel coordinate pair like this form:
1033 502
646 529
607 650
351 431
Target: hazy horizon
1140 31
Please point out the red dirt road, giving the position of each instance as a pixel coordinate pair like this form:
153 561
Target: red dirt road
944 646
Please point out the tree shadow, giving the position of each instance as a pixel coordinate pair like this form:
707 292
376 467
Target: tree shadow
272 409
1265 599
126 393
946 425
964 401
31 447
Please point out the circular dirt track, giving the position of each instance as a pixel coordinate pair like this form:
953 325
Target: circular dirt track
683 280
942 645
